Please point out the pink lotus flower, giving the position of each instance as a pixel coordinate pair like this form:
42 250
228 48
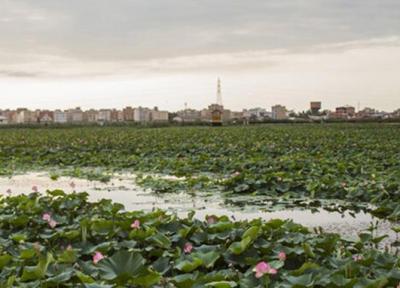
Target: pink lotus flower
72 185
97 257
211 220
135 224
357 258
46 217
263 268
52 223
69 247
35 189
188 248
236 174
282 256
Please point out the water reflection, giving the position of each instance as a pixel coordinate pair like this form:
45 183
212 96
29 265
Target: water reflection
122 189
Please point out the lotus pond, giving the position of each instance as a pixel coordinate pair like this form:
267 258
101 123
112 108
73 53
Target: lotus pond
61 240
355 162
122 188
219 190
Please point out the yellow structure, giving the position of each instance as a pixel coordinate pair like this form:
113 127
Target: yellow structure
216 114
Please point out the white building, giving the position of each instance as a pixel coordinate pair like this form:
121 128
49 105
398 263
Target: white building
159 116
104 115
190 115
91 116
256 113
3 120
205 115
75 115
141 114
60 116
25 116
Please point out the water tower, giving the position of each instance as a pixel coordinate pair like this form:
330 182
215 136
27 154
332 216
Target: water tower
315 106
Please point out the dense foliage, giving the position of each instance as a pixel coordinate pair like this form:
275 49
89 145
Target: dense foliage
356 162
59 240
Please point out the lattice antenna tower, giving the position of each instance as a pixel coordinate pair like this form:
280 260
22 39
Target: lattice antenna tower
219 93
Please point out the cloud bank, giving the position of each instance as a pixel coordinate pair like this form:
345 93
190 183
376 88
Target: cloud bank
301 48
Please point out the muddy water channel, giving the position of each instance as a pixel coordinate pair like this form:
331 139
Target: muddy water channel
122 189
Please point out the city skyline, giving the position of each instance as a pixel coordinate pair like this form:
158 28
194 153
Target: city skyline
95 54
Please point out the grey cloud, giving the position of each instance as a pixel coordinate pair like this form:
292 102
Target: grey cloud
58 67
18 74
122 30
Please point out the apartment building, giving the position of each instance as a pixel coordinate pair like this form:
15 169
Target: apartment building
104 115
25 116
60 117
45 117
279 112
3 120
159 116
91 116
189 115
141 114
343 112
128 114
75 115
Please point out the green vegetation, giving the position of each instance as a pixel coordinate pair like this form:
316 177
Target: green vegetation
355 162
59 240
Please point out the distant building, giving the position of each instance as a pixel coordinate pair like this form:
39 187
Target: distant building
236 115
347 110
75 115
25 116
343 112
216 111
159 116
46 117
396 113
21 115
116 116
60 116
205 115
91 116
279 112
104 115
10 116
367 113
226 115
142 115
256 114
3 120
190 115
120 116
128 114
315 106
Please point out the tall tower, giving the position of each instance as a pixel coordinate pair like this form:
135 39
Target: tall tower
219 93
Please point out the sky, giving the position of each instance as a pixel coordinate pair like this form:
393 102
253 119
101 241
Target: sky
165 53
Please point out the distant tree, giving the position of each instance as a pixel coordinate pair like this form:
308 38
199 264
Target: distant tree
171 116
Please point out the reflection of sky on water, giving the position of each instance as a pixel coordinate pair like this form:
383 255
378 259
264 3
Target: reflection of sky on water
123 190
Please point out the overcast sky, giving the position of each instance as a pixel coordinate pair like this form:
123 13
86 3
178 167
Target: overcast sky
114 53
